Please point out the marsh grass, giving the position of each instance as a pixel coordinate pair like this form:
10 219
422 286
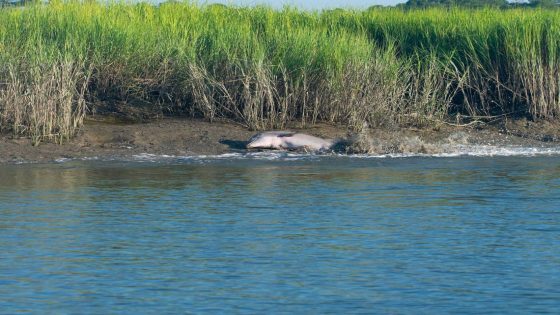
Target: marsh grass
43 101
264 68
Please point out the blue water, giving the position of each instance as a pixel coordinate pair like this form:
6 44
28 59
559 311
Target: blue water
318 235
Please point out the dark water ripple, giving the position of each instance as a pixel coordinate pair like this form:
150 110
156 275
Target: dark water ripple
411 235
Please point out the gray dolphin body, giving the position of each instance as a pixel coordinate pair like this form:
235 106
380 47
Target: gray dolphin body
286 140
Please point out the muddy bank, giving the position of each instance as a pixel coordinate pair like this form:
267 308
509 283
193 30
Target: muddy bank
105 138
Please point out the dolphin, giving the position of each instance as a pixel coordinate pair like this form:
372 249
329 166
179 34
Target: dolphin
287 140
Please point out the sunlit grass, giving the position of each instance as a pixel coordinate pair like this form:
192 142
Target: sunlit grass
263 67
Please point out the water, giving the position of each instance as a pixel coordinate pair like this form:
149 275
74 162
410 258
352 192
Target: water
283 234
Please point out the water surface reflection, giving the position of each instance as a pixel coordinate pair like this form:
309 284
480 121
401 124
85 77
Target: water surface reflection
417 235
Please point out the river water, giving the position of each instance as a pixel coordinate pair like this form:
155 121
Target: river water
282 234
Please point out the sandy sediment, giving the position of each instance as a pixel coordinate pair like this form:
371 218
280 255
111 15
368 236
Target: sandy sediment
184 137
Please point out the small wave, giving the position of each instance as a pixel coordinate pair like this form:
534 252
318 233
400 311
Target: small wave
490 151
448 151
63 160
445 151
266 156
148 157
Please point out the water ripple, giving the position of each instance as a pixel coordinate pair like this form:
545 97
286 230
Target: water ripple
246 234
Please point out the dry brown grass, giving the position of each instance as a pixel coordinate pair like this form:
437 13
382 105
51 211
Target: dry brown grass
43 101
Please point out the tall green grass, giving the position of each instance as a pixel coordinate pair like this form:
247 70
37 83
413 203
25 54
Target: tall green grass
265 68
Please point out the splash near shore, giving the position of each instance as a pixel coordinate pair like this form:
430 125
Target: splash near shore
446 152
188 139
459 151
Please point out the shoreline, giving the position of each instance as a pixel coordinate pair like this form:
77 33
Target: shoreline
104 138
264 67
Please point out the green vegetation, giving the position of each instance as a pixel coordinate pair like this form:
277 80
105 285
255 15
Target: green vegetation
504 4
264 68
422 4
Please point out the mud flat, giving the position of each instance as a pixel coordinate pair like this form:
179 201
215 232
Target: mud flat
105 138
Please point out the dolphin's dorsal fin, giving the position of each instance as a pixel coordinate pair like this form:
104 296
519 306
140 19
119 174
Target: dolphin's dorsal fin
280 134
286 134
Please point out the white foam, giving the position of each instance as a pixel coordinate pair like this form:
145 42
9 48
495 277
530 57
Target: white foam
152 157
62 160
474 151
90 158
446 151
262 156
490 150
